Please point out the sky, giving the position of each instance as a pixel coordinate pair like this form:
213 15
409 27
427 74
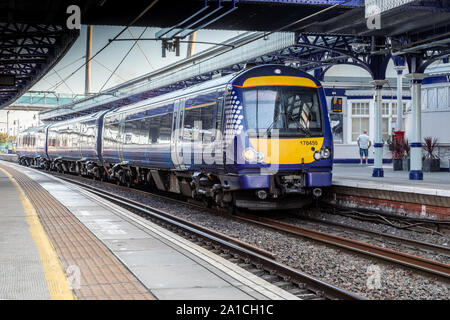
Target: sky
143 58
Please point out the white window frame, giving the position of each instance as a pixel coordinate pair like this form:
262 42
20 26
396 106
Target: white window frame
351 116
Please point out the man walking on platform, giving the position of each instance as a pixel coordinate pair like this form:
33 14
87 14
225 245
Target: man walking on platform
364 144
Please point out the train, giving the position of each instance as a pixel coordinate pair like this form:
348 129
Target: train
258 139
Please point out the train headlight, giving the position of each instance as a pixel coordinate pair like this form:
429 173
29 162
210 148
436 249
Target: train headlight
317 155
249 154
325 153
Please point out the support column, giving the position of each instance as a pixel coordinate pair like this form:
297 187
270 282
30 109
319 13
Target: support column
378 143
399 125
416 128
87 78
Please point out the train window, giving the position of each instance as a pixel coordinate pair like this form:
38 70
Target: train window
154 126
74 137
207 116
165 132
112 133
192 119
132 131
145 129
115 132
107 140
219 114
92 135
290 110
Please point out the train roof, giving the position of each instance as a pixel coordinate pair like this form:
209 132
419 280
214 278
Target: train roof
92 116
220 81
34 129
217 82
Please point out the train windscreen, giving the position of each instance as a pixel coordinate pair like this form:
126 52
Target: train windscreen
292 111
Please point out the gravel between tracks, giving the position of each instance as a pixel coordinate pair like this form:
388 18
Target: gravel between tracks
298 219
346 270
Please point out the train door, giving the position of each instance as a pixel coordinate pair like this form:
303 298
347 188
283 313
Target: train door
121 137
218 150
80 134
177 146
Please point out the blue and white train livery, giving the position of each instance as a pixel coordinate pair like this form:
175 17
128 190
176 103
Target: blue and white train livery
258 139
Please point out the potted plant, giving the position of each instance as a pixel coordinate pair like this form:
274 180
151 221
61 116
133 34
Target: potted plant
397 149
431 161
406 162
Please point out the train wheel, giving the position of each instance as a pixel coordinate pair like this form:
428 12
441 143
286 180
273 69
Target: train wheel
231 209
207 202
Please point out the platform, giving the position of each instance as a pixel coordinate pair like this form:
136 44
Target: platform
117 254
353 184
11 157
355 175
19 256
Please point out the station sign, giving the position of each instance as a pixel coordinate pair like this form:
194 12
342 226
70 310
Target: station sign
336 105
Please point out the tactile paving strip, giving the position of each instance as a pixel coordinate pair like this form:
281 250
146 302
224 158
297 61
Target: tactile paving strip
101 275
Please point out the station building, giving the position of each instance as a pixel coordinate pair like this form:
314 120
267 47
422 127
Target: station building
353 109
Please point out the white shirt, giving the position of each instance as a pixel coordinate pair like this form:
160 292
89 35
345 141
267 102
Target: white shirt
364 141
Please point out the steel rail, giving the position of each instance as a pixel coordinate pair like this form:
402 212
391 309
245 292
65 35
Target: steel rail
242 249
426 265
416 243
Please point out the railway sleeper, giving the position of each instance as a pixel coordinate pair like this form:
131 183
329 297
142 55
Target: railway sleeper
256 271
283 285
271 277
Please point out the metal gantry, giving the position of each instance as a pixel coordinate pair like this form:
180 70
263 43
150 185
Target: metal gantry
305 51
27 52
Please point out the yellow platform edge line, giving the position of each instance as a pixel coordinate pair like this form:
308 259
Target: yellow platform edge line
57 284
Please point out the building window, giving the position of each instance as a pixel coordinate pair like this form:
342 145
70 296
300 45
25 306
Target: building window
360 119
394 109
360 108
385 109
385 133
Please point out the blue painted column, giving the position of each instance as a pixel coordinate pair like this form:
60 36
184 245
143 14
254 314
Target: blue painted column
378 143
399 125
416 127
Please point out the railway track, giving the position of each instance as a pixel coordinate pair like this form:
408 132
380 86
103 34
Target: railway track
342 228
428 266
255 260
422 225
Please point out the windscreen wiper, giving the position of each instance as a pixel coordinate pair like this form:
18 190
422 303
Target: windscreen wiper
305 130
269 128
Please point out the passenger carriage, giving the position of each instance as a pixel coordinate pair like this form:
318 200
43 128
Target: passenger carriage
32 146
